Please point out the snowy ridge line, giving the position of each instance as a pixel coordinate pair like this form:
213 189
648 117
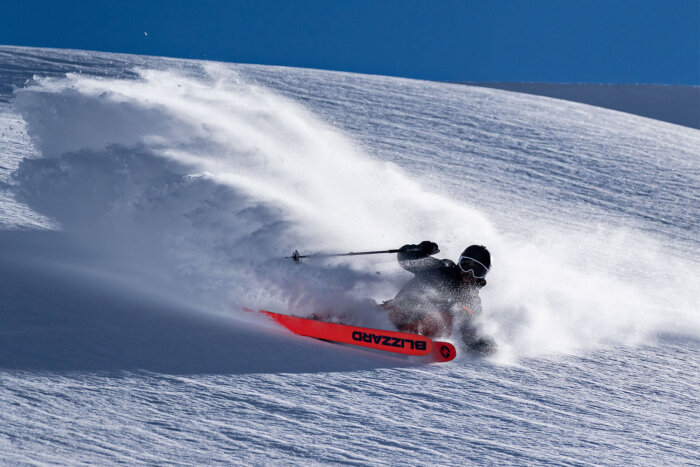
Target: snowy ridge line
671 103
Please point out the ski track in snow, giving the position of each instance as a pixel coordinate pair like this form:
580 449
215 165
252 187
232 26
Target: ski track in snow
144 200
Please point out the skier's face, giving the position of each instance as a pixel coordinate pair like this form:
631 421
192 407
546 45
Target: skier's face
468 277
471 281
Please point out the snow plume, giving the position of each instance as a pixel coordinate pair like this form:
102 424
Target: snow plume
201 184
558 292
214 181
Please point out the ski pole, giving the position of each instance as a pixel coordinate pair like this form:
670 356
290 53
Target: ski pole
296 256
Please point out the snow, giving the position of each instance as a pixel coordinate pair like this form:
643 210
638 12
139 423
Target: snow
144 201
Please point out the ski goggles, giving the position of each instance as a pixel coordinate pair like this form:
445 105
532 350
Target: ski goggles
467 264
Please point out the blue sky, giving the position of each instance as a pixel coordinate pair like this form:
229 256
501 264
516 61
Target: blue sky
591 41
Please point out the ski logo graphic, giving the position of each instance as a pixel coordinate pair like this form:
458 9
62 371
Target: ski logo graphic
389 341
445 351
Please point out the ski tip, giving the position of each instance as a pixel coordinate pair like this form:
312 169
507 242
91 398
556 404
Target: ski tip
442 352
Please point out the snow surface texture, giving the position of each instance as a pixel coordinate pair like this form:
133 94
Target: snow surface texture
144 201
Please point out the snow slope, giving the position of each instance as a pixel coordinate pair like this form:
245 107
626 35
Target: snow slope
144 201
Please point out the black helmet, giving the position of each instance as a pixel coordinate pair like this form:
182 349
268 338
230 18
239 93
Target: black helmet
475 258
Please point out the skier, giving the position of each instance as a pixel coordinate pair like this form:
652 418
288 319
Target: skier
442 294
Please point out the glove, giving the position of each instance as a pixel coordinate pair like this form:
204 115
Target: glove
429 248
426 248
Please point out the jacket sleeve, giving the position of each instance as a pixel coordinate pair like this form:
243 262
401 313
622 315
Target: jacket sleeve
418 262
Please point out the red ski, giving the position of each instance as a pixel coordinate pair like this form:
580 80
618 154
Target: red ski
390 341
